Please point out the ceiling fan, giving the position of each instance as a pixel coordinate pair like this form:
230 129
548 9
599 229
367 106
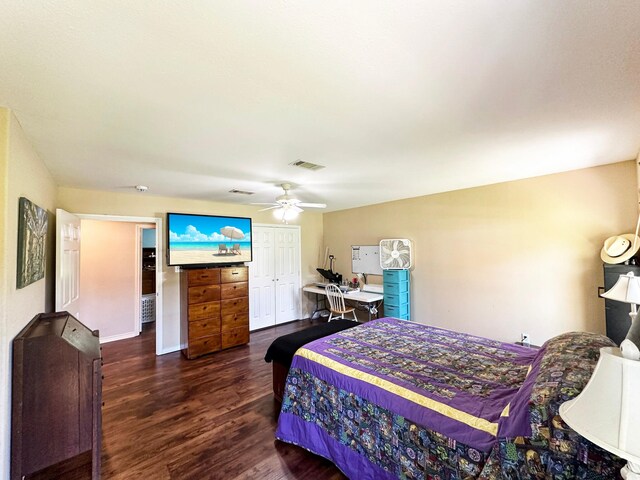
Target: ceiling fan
287 207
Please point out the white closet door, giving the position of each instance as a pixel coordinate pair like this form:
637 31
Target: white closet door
262 297
287 260
274 295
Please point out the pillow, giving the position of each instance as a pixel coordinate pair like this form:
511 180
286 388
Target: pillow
550 449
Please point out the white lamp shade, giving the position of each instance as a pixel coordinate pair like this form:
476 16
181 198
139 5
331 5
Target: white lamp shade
606 412
286 213
626 289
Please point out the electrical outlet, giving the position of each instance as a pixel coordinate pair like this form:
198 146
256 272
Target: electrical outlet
525 339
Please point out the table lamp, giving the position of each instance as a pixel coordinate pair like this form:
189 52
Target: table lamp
627 289
606 412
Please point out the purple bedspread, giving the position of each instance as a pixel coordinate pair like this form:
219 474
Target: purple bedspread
458 385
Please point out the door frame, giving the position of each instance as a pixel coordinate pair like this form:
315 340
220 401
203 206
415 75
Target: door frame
296 227
159 245
138 274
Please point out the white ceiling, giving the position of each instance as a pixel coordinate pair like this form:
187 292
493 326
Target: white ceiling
395 99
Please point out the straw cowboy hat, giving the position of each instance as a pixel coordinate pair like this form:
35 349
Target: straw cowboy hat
620 248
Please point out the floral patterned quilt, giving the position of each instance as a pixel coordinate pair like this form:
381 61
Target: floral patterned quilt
396 399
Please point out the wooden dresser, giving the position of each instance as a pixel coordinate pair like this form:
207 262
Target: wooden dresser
214 309
56 412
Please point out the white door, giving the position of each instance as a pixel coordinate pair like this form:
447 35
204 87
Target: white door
274 276
67 263
262 280
287 261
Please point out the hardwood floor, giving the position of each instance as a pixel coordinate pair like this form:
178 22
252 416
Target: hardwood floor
165 417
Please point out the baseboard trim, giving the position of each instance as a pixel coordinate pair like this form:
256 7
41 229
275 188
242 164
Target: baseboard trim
175 348
281 324
120 336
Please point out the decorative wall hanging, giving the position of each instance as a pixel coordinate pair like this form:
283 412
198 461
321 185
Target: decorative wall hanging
32 243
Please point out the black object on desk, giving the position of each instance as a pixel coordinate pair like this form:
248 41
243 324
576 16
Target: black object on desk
329 275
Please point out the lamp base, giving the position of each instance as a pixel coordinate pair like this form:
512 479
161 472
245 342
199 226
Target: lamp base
630 345
631 471
629 350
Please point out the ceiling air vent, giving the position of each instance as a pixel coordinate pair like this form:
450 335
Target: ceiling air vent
241 192
307 165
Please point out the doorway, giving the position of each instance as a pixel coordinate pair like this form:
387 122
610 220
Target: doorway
146 241
107 280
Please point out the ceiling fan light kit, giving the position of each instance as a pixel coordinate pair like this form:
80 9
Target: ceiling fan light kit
287 207
285 214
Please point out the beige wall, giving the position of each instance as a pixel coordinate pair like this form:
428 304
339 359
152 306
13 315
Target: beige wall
503 259
108 267
145 205
23 175
5 377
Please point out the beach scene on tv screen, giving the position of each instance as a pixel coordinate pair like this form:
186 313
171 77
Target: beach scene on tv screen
200 240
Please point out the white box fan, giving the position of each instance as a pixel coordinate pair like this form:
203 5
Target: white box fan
395 254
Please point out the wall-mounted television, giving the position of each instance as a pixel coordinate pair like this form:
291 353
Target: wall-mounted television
207 240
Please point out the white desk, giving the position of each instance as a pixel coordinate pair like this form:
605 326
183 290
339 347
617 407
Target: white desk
365 299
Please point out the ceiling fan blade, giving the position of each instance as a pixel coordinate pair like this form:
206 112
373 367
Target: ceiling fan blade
312 205
295 208
269 208
264 203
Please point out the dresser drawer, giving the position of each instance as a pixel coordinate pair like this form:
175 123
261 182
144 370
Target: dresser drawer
395 276
396 300
234 290
203 328
401 311
208 293
237 305
203 277
236 336
233 274
202 346
204 311
396 287
235 320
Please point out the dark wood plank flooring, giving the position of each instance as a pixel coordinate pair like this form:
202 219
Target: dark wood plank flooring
166 417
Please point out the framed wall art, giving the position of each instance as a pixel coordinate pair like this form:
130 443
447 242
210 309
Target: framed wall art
32 242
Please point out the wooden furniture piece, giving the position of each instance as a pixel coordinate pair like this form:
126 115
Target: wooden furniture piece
617 313
214 309
337 308
148 271
56 400
396 294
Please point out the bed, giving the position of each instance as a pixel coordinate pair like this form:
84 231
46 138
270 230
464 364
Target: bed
283 348
395 399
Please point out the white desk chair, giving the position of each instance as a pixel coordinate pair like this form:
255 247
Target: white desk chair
336 303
